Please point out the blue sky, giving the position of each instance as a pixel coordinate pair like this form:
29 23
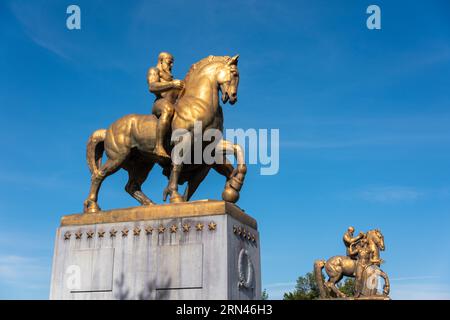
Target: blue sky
364 120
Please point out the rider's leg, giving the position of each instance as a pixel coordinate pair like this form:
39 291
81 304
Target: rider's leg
358 280
163 126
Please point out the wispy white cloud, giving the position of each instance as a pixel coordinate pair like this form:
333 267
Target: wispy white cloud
280 284
425 291
395 194
16 238
9 267
38 26
325 132
414 278
23 272
411 61
391 194
45 26
277 290
345 142
32 179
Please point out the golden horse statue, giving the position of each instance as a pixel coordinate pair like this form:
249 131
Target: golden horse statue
363 269
129 143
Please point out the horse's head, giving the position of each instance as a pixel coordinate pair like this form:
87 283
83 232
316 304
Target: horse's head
222 74
376 237
228 80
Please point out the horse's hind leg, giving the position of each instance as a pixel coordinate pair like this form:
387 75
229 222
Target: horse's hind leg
331 284
137 174
110 166
195 181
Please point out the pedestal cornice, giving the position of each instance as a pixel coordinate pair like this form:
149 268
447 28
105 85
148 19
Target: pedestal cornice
163 211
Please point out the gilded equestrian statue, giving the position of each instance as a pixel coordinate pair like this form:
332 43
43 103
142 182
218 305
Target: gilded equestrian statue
130 143
361 262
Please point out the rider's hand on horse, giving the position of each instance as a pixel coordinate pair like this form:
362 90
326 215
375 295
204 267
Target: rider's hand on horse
178 84
378 261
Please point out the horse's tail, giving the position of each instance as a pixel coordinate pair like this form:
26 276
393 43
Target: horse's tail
94 150
318 266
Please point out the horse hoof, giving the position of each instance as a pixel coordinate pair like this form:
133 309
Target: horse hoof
176 198
91 207
160 152
230 195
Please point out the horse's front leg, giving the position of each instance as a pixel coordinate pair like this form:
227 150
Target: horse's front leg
181 153
236 179
387 285
172 187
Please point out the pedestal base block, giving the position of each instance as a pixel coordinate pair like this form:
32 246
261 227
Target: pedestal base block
197 250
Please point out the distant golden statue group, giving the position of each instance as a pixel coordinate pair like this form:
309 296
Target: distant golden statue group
362 262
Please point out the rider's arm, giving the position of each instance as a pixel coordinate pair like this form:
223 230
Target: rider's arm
352 250
375 257
154 84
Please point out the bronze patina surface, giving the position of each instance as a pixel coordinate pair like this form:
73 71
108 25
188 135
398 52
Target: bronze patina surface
166 90
362 262
164 211
136 143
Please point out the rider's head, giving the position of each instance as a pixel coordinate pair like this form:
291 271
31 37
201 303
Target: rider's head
351 230
165 61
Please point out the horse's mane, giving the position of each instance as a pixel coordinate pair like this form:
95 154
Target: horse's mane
200 64
205 61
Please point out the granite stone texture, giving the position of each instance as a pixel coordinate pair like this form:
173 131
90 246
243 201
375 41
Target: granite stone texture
199 250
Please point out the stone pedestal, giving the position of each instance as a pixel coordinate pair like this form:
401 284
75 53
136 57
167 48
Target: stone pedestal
196 250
